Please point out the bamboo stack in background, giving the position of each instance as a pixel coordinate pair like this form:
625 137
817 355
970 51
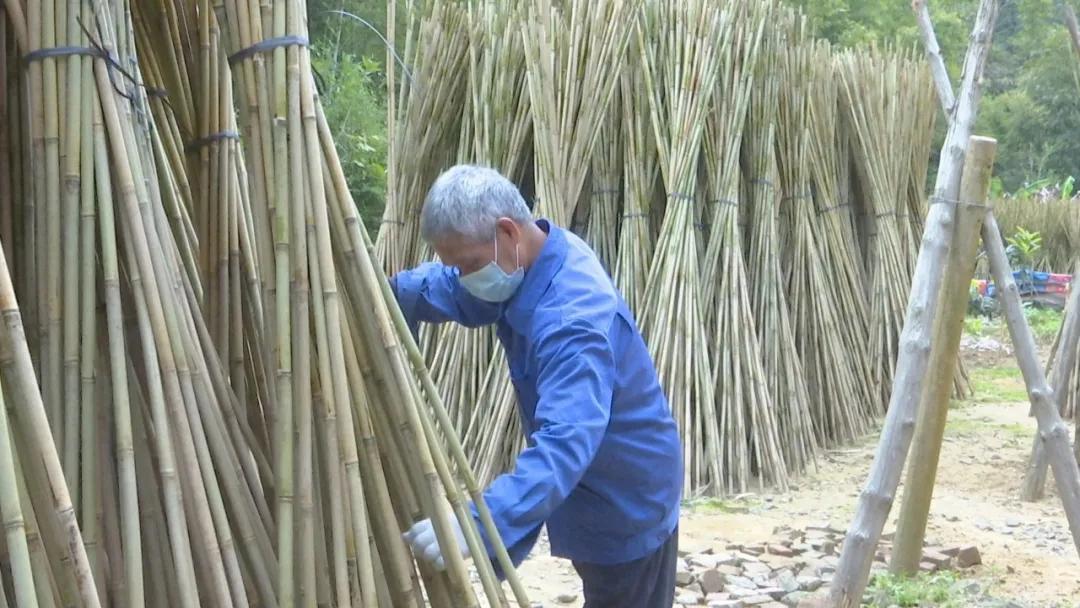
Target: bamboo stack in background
826 237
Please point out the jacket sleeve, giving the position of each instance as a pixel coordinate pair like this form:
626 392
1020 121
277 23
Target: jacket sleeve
574 382
431 293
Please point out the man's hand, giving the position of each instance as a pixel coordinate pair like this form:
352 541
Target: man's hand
421 537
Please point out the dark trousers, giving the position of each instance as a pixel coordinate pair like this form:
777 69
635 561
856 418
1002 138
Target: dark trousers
645 583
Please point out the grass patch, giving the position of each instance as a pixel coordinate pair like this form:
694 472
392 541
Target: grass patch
1003 384
1044 322
937 589
969 427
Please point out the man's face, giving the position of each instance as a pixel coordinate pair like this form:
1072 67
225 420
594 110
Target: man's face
468 255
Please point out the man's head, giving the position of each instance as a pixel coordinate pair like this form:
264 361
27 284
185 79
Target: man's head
474 216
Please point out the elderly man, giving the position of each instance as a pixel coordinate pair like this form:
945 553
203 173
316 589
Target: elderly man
603 465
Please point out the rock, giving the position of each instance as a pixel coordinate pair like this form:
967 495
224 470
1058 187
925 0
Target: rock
773 592
786 579
683 576
724 603
951 551
780 550
730 570
756 569
745 557
1012 522
567 598
757 600
711 581
939 559
927 567
792 600
688 599
754 550
952 518
828 547
739 593
717 597
809 583
968 557
711 562
739 582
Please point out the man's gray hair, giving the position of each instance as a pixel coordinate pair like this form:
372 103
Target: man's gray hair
467 201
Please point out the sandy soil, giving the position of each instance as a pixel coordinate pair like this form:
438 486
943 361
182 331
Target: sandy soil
1027 551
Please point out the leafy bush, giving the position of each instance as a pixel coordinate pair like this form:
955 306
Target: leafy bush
355 106
1056 221
922 590
1023 248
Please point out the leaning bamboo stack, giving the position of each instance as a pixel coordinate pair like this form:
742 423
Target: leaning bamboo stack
840 249
681 46
430 98
640 174
606 189
768 296
749 438
839 394
875 109
199 477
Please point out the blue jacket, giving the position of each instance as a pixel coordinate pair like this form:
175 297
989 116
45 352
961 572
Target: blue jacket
603 464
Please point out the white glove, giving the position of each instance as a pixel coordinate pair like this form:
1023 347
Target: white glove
421 537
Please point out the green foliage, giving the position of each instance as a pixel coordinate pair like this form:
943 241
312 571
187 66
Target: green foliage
356 111
1044 322
976 326
1030 101
922 590
1024 247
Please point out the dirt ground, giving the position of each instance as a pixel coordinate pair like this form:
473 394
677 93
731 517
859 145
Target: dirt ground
1028 556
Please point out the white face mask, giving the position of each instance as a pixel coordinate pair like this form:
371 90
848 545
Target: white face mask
491 283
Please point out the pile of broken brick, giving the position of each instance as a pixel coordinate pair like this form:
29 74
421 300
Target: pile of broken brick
790 569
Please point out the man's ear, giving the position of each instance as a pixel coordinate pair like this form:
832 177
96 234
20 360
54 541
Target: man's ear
509 227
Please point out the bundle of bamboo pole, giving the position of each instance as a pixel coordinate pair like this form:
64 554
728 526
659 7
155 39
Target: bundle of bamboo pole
640 175
840 249
768 295
164 463
875 106
749 438
681 43
606 192
426 115
839 393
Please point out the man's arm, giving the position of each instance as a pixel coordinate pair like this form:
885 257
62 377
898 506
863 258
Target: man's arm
576 375
431 293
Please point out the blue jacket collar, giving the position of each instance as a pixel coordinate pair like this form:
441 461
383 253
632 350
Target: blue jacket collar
538 277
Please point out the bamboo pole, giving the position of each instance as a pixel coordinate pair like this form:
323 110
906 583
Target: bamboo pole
1063 376
877 497
32 423
930 427
1052 429
15 529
